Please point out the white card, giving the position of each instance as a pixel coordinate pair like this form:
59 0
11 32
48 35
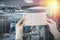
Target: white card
35 18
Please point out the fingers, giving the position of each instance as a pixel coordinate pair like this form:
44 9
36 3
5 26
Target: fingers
20 22
19 29
52 27
51 24
50 21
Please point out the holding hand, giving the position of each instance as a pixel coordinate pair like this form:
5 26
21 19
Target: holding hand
19 30
53 28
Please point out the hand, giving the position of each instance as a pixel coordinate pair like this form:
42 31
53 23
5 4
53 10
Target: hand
19 29
53 28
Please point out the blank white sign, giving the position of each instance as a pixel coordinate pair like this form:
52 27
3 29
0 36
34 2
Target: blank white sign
35 18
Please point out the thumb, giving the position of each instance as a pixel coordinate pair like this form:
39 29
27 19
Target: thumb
20 22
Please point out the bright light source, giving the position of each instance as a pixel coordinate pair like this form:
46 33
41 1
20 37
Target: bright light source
52 5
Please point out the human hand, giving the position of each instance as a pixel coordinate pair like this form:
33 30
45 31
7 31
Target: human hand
53 28
19 29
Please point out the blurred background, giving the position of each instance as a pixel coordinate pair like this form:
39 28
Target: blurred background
12 10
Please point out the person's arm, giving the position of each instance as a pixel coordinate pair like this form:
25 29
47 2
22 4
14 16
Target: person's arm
19 30
53 29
